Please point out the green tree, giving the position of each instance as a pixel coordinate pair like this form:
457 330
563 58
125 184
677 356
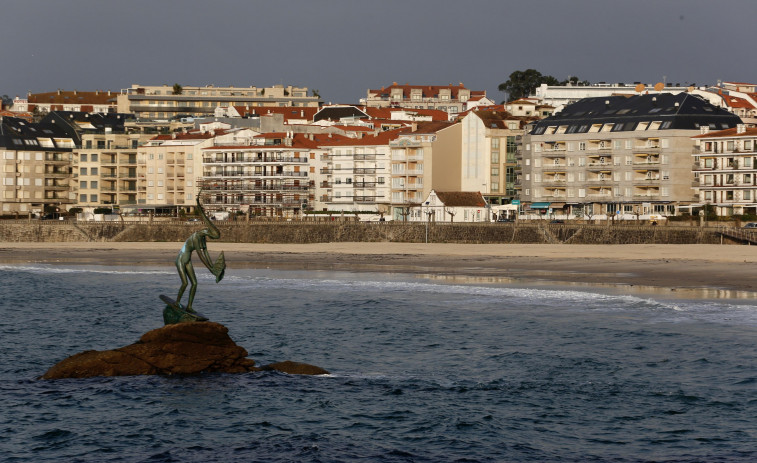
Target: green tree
7 102
178 89
316 92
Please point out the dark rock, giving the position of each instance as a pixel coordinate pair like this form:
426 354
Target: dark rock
184 348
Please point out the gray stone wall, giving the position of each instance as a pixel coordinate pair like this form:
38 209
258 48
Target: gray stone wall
299 232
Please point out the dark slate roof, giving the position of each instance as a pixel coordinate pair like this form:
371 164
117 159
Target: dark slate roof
336 113
15 131
681 111
99 121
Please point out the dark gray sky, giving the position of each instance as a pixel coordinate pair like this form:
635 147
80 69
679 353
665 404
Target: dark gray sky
344 47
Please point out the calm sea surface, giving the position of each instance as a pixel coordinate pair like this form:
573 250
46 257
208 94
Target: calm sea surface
422 372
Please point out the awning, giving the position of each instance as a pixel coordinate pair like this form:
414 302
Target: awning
557 205
540 205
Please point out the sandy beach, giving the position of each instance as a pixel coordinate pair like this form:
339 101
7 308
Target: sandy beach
639 267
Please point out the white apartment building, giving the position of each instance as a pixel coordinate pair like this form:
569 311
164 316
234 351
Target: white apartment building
273 176
725 169
162 102
356 175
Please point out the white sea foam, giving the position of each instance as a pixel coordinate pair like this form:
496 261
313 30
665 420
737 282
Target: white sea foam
55 269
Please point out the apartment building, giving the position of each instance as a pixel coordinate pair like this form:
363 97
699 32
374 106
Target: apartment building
451 99
170 167
498 136
415 153
36 166
617 156
272 176
356 173
165 102
725 169
559 96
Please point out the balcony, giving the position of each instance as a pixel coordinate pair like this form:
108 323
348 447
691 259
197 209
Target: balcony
364 184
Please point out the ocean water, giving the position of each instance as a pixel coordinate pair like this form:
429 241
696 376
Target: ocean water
422 371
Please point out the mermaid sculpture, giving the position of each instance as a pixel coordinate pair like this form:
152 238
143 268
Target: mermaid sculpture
197 243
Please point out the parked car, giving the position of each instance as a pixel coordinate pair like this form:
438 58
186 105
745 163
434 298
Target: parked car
750 225
503 220
557 221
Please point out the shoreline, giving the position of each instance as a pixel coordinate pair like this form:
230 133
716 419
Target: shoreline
657 268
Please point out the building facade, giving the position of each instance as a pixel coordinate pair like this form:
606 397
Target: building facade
273 176
452 99
355 175
36 166
617 157
163 102
725 170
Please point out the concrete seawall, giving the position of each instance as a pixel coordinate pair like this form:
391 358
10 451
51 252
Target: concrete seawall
303 232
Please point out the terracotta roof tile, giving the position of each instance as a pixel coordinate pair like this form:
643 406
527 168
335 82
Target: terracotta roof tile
729 133
461 198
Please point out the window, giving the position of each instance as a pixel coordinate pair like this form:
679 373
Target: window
93 157
93 198
83 184
93 171
582 146
100 144
82 171
495 143
495 157
88 144
83 157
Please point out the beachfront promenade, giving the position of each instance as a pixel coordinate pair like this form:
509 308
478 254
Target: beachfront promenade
296 232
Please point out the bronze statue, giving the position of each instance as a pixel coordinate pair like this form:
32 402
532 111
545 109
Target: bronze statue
197 243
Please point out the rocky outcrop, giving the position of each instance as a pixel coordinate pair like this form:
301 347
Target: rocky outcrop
179 349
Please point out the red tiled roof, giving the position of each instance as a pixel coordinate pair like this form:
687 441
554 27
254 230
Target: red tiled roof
736 102
382 138
73 97
432 127
749 132
461 198
429 91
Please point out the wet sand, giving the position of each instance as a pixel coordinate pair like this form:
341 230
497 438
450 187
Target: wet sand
657 267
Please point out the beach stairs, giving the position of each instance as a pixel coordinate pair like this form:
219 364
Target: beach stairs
738 234
558 234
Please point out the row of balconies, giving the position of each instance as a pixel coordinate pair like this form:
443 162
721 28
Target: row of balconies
254 174
263 160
